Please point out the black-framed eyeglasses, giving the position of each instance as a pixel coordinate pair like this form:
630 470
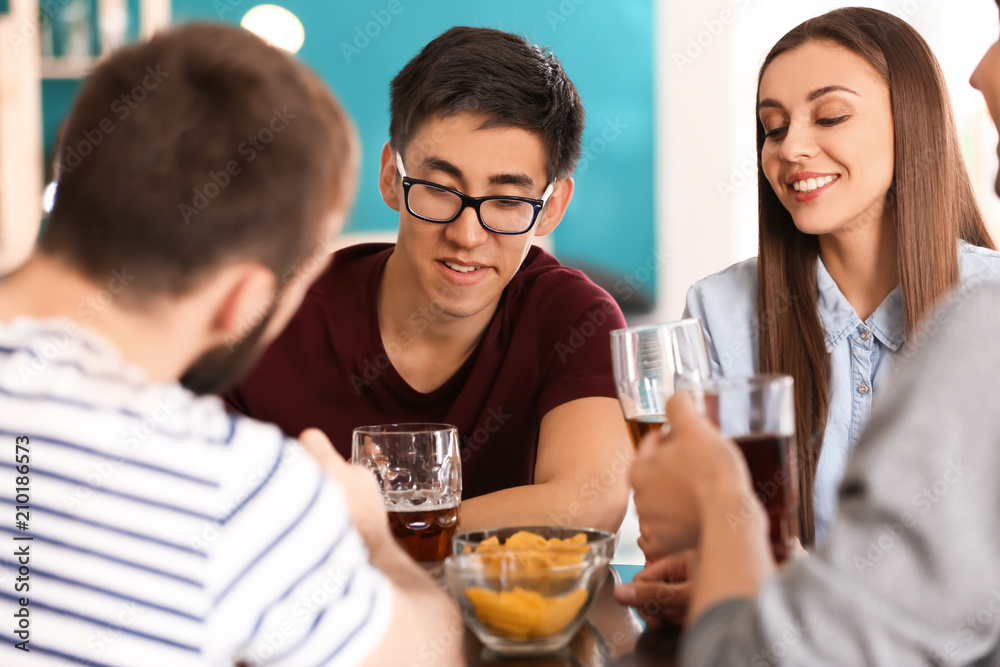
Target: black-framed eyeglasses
500 214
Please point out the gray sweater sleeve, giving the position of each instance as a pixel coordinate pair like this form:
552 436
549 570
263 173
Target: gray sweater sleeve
910 573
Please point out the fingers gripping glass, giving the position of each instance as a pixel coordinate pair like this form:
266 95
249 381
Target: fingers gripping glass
500 214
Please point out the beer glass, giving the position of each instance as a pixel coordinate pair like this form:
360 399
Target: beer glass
758 412
648 360
420 474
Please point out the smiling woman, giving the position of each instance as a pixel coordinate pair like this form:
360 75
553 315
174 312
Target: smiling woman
867 219
832 136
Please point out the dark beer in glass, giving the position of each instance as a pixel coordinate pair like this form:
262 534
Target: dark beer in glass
758 413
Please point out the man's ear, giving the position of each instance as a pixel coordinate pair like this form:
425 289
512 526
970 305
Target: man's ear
388 175
555 208
247 292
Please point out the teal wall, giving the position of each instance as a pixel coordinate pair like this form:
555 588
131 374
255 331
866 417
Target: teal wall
57 97
605 47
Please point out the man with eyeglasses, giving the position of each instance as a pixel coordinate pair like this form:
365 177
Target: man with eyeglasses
463 321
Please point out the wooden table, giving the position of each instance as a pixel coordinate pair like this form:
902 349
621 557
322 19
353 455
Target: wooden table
612 636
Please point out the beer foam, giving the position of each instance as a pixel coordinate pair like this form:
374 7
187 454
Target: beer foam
418 502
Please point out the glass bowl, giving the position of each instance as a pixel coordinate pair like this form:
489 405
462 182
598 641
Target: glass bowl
527 590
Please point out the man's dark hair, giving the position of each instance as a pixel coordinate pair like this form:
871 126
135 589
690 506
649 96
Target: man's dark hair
200 147
513 82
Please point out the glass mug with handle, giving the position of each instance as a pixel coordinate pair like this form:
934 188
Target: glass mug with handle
648 361
419 472
758 413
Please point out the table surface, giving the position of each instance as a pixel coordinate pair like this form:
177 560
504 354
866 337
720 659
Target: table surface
612 636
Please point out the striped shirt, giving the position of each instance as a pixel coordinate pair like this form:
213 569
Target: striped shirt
163 530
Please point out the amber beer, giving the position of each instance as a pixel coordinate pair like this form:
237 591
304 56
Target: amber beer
639 427
772 462
425 533
419 472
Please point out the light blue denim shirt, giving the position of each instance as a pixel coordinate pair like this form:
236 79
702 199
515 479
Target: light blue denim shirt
726 302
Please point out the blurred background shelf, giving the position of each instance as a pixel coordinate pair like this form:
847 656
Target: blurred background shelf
69 67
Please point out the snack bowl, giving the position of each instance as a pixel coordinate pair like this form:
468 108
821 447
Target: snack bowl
527 590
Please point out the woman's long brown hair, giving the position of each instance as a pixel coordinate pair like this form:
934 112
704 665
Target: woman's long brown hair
930 204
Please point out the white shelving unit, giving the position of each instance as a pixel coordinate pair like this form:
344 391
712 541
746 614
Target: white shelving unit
20 133
22 69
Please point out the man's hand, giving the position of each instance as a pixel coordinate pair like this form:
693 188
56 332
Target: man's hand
661 591
689 486
364 501
678 474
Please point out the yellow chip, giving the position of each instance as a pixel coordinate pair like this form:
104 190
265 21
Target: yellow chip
522 613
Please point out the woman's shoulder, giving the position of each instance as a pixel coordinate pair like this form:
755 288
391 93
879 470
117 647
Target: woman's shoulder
977 263
736 284
726 303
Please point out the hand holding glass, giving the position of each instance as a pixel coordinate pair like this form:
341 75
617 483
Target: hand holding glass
758 412
419 472
648 360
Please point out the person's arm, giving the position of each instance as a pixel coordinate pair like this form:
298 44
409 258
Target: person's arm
425 621
910 573
300 569
581 473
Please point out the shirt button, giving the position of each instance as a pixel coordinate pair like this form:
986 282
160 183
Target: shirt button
865 335
863 389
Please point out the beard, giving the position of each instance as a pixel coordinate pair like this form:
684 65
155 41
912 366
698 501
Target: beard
219 368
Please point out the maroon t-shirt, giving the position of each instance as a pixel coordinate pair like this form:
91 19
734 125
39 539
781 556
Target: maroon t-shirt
547 344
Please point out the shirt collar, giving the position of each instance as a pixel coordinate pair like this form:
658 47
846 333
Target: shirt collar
839 318
74 342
